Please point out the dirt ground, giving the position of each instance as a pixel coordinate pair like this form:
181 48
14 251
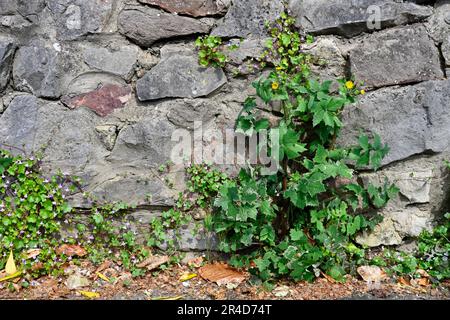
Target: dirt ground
167 285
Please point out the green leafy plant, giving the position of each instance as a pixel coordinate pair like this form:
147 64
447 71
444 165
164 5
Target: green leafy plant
169 220
30 207
205 182
301 219
432 255
209 51
434 250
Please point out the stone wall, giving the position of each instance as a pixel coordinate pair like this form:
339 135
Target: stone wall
99 86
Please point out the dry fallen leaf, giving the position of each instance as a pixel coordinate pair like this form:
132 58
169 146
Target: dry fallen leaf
371 273
10 267
281 291
37 266
103 277
33 253
423 273
424 282
89 294
330 279
404 281
222 274
187 276
71 250
15 275
195 262
103 266
168 298
153 262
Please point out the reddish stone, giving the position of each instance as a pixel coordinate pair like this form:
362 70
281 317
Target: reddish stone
195 8
102 101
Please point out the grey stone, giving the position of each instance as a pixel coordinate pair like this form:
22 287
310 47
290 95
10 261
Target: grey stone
24 7
242 55
90 81
67 139
136 187
411 221
146 143
248 17
179 76
20 15
408 247
77 18
15 22
383 234
8 6
77 281
184 113
146 25
446 50
408 214
193 237
195 8
7 49
349 18
147 60
143 216
37 70
107 134
329 62
411 120
414 186
396 56
119 61
437 25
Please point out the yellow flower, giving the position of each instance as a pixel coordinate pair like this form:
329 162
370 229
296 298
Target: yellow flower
279 68
275 85
363 92
349 84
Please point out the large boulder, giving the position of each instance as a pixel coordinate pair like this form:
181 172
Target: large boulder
396 56
145 25
411 120
179 75
247 18
349 18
